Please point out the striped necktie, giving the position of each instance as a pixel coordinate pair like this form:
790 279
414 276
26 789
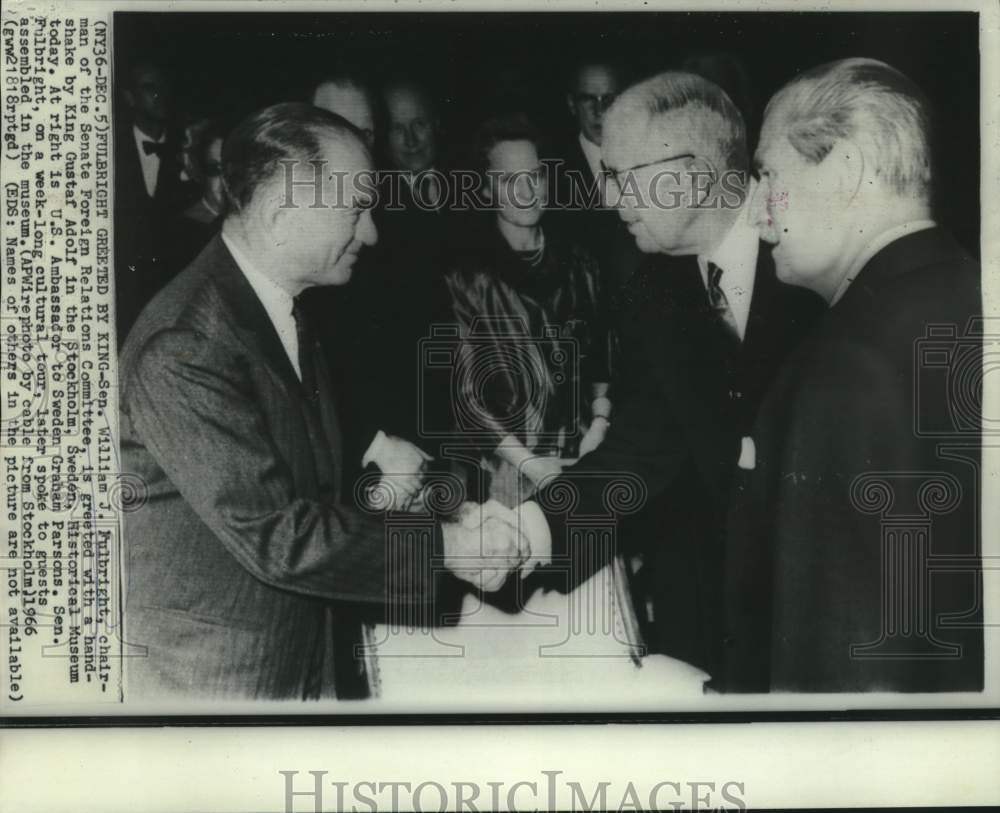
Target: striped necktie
719 302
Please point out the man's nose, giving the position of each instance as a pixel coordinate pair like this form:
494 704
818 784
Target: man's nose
367 234
410 137
760 215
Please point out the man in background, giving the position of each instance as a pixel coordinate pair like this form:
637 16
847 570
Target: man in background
582 185
149 190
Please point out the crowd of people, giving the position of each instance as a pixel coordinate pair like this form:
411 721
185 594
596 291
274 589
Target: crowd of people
732 328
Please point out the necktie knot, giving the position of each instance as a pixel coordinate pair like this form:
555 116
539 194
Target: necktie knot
714 277
718 300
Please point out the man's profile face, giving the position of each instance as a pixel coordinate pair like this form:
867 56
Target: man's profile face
596 87
795 211
412 134
323 242
518 182
349 102
653 200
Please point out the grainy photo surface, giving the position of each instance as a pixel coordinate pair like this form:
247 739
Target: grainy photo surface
494 362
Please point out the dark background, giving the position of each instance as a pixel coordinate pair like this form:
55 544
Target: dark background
229 64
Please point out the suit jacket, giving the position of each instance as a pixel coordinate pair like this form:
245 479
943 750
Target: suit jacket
241 539
686 394
867 458
144 225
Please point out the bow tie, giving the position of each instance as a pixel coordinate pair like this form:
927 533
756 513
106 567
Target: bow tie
159 148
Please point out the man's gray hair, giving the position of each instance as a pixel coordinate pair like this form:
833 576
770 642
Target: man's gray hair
252 155
717 124
867 102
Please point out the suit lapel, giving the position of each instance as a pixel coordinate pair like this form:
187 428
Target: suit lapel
765 283
252 321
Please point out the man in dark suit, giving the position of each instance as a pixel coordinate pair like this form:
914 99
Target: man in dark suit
402 292
228 420
580 197
149 190
707 326
854 559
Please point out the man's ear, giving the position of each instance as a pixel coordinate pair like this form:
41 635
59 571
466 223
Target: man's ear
275 219
843 171
703 179
129 97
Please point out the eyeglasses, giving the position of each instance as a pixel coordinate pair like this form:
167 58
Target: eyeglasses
613 174
594 102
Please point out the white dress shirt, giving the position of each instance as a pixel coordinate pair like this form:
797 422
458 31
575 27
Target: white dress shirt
736 255
150 163
277 302
874 247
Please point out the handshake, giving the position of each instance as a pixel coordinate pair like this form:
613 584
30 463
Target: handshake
488 542
485 543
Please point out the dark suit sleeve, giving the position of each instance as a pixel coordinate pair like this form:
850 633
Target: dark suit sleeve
195 409
638 460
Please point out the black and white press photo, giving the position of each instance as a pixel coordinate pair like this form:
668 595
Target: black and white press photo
551 361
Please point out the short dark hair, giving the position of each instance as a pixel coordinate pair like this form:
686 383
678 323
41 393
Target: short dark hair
614 66
496 130
252 153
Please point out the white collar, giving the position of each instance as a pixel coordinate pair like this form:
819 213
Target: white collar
736 255
277 302
140 136
874 247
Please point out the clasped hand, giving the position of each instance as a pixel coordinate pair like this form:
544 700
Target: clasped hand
403 466
485 545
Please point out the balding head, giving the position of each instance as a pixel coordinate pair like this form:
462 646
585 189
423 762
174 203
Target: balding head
691 114
257 152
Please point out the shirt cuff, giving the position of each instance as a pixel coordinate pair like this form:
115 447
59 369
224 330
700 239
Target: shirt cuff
532 523
748 454
374 450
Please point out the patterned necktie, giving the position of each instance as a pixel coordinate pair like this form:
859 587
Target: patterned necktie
307 358
719 302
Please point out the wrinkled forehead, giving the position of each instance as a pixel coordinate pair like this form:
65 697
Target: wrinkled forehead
634 137
405 104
